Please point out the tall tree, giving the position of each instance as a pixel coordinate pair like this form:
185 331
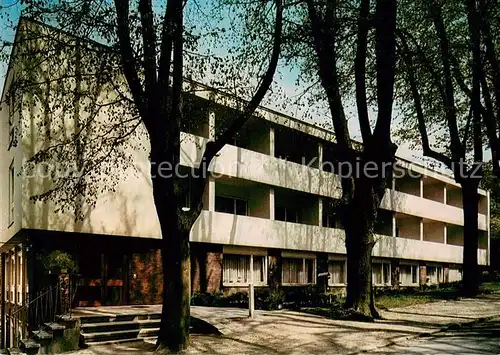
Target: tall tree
321 37
361 192
438 66
149 48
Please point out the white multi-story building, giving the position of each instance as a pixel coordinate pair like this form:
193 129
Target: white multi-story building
270 200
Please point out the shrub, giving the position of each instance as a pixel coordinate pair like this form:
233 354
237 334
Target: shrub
275 300
58 261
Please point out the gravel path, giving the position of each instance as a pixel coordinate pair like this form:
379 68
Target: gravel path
287 332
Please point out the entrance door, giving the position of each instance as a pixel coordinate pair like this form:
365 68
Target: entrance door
115 275
102 279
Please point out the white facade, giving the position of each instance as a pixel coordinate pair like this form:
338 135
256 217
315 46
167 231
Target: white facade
284 199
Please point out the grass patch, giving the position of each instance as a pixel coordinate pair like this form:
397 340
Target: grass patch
387 299
489 287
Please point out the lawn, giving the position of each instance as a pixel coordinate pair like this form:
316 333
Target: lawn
396 299
403 298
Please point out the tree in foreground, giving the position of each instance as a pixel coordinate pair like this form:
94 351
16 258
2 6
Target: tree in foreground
147 49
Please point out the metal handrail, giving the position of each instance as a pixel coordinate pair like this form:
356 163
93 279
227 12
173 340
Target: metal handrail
34 313
26 305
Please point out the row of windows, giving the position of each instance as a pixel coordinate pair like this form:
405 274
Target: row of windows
302 271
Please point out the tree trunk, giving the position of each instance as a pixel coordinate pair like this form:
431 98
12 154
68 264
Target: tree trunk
174 327
359 269
470 201
358 223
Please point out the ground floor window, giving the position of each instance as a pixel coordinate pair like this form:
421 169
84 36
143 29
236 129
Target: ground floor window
236 270
381 273
299 271
408 274
434 274
336 269
454 274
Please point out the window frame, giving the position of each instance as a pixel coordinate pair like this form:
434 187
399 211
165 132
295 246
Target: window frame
382 268
342 260
7 278
234 200
411 265
439 274
245 284
19 277
287 212
303 258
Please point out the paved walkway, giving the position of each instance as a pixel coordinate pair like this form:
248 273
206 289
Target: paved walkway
478 338
287 332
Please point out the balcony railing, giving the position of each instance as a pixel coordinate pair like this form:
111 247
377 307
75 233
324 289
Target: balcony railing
228 229
249 165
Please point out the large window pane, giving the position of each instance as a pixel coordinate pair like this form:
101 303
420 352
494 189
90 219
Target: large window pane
298 271
231 205
336 270
236 269
224 204
241 207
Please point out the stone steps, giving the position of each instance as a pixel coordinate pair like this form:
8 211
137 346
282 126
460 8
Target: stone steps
110 329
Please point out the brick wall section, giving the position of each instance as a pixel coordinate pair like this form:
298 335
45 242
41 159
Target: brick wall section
146 278
195 271
206 267
214 271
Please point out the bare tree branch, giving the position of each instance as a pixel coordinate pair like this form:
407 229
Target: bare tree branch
149 45
449 99
417 101
127 56
214 147
360 69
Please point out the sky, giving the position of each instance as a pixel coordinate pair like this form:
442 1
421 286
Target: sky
286 81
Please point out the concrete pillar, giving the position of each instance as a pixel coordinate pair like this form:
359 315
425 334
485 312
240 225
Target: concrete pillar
272 208
394 225
271 141
444 194
320 156
274 269
445 236
211 193
393 184
421 229
320 211
211 126
421 186
423 275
